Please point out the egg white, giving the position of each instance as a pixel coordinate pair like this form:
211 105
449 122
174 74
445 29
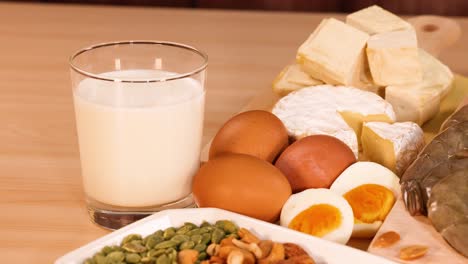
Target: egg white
301 201
360 173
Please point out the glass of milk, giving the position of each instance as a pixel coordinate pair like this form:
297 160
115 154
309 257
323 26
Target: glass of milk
139 109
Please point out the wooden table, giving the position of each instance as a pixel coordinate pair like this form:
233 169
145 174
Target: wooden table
42 209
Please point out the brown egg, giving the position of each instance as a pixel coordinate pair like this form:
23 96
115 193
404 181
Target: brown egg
243 184
257 133
314 162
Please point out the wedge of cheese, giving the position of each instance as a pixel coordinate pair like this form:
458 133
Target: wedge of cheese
393 58
375 19
333 52
292 78
394 146
337 111
420 102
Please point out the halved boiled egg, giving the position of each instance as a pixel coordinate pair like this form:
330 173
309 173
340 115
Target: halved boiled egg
371 190
319 212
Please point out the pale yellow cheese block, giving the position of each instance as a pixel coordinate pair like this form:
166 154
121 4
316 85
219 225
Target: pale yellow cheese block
365 81
375 19
393 58
421 101
292 78
333 52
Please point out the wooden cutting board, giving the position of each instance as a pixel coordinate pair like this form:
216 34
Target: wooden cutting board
434 34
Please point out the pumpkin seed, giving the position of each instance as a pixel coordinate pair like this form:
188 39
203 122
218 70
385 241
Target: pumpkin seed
196 238
148 260
206 229
106 250
155 252
187 245
202 256
172 254
183 230
206 238
163 259
153 240
170 251
134 246
159 233
217 235
166 244
195 231
205 224
89 261
226 226
180 239
132 258
115 257
168 233
99 259
130 238
190 224
200 247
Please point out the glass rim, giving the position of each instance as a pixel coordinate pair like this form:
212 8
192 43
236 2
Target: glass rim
198 69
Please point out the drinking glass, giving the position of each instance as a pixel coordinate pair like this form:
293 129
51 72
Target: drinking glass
139 109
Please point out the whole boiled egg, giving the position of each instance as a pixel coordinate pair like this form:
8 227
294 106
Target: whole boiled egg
319 212
314 162
257 133
243 184
371 189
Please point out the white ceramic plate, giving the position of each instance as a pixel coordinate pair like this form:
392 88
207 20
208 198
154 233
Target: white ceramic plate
321 250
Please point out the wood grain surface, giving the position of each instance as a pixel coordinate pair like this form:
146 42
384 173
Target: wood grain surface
42 210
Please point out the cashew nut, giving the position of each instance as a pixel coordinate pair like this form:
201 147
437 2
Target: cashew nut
187 256
235 257
217 260
213 249
247 236
225 251
265 246
252 247
276 254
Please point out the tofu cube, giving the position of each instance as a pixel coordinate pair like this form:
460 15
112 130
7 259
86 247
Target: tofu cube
333 53
393 58
375 19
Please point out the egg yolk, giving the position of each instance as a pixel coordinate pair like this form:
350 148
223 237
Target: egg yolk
317 220
370 202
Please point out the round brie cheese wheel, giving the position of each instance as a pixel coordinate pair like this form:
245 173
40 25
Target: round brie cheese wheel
337 111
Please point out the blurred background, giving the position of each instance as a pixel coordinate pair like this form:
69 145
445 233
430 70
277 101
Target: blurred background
404 7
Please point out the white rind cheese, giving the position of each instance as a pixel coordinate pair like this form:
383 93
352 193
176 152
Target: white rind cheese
420 102
337 111
333 52
393 58
375 19
292 78
394 146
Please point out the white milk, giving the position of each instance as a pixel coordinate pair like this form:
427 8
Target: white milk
139 142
